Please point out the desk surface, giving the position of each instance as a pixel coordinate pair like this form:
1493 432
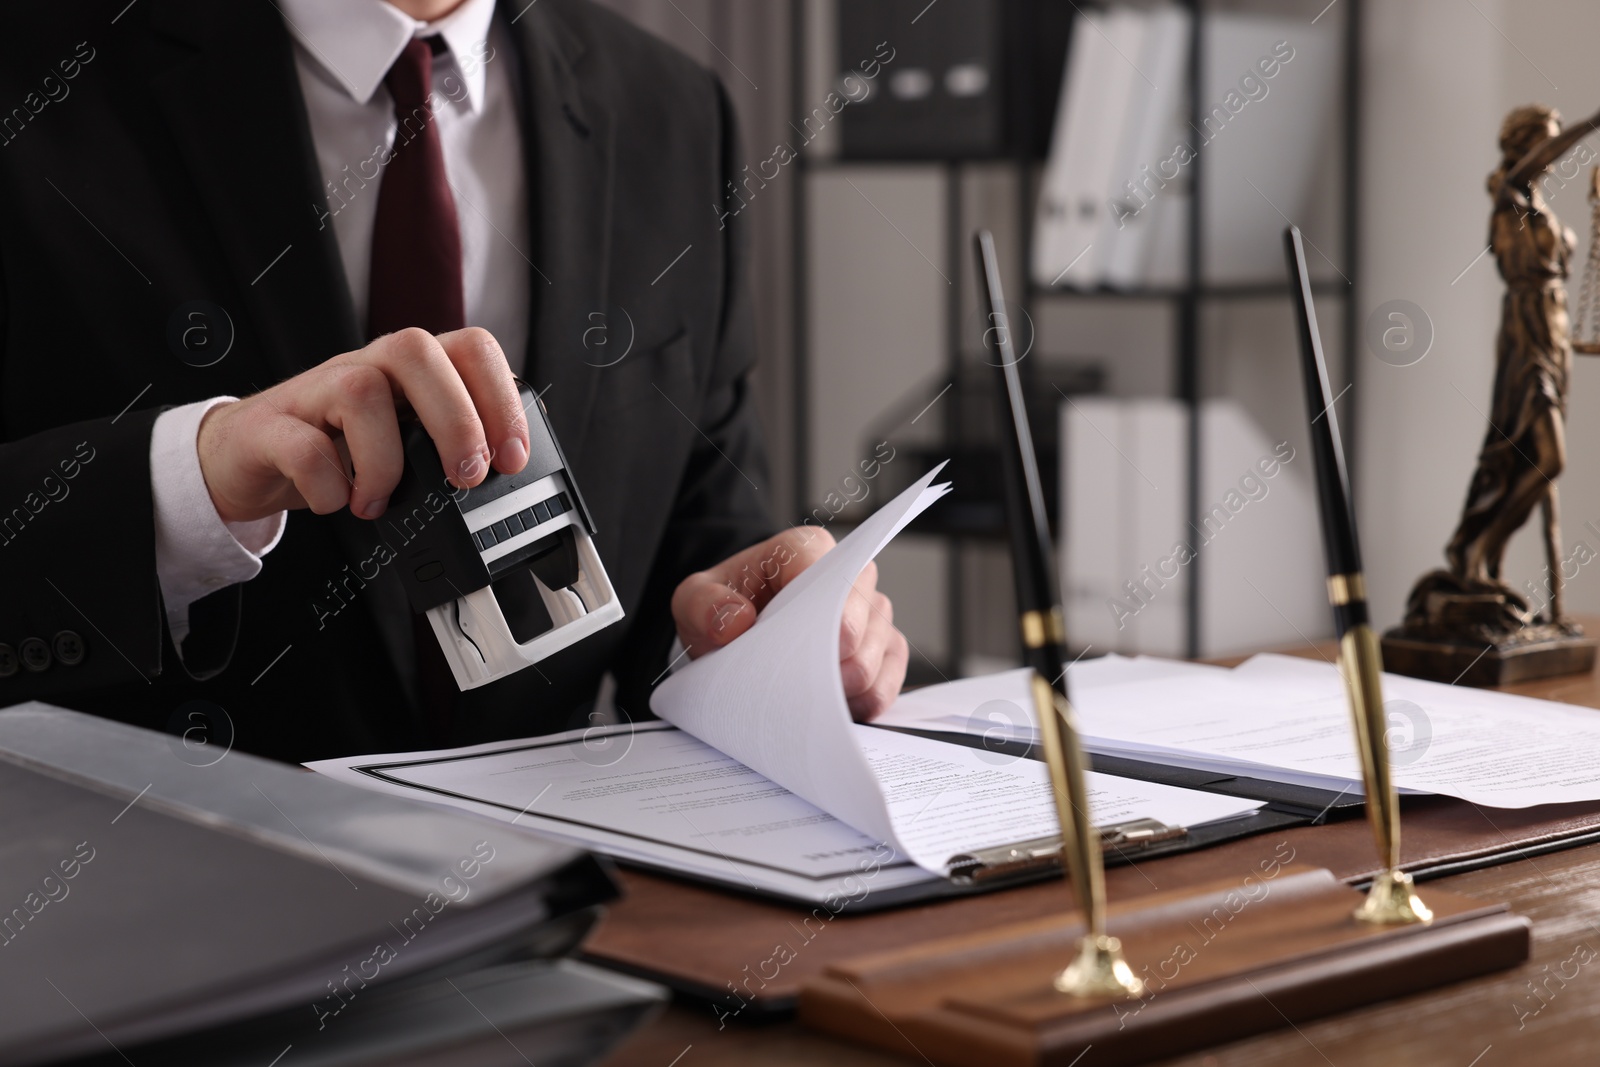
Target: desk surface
1547 1011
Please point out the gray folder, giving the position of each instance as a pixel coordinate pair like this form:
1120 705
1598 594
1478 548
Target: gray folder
147 893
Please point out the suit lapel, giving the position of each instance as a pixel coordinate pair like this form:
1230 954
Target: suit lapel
568 149
234 107
235 110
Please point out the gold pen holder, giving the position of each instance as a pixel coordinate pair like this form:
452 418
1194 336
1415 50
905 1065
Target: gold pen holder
1392 900
998 996
1099 970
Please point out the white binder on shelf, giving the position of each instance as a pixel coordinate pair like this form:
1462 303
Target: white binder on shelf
1095 96
1153 126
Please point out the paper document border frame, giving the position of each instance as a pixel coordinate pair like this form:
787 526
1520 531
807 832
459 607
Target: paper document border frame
374 770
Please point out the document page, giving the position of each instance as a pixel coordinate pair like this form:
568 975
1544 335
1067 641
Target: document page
655 795
998 706
1180 715
1494 749
947 799
1287 719
666 787
773 699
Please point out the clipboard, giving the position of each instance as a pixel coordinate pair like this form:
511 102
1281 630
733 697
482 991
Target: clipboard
980 871
1284 806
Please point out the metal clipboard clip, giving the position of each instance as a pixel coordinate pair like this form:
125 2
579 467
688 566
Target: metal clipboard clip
987 865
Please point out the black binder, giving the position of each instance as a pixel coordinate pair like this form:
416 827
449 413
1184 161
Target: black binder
556 1013
968 79
149 889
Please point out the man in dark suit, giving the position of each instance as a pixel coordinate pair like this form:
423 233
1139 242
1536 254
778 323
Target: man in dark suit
201 200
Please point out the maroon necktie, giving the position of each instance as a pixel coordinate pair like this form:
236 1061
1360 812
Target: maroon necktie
416 281
416 240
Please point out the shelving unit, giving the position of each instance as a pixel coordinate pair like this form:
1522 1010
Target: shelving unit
1187 301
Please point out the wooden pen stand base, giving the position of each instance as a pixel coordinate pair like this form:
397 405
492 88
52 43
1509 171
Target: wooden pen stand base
1219 963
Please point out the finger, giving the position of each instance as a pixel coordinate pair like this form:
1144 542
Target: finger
484 370
762 570
860 669
709 614
420 370
886 687
714 606
858 608
361 405
308 458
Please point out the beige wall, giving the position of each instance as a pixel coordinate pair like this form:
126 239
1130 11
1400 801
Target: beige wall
1439 76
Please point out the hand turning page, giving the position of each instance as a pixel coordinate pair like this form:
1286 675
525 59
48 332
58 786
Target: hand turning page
738 802
774 700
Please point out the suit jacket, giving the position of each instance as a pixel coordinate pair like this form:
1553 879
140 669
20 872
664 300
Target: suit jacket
162 157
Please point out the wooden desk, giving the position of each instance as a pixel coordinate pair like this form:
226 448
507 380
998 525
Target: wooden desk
1496 1021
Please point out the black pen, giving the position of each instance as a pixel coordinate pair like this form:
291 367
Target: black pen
1038 609
1391 899
1099 969
1347 589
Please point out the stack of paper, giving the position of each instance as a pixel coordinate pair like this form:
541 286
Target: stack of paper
1287 719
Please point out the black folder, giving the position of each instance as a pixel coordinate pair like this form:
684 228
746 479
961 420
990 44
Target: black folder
556 1013
149 889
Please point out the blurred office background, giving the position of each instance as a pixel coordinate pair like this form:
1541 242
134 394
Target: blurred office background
1161 367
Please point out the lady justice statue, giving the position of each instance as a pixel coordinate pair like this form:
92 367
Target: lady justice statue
1466 622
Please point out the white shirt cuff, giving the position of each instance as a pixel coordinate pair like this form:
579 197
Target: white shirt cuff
196 552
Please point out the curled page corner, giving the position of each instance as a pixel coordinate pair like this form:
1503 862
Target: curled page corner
773 698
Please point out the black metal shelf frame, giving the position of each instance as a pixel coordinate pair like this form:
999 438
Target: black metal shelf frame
1188 299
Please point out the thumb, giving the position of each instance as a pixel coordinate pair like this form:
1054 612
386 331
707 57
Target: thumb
709 613
714 606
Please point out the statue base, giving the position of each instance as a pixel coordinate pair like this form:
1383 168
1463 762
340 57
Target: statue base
1481 634
1518 659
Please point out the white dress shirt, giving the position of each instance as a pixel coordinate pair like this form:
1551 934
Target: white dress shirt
343 50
